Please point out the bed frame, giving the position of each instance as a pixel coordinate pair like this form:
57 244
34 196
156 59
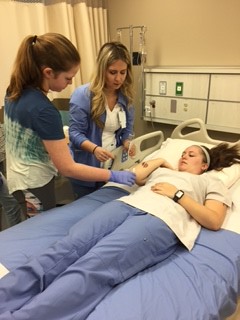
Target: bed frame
62 223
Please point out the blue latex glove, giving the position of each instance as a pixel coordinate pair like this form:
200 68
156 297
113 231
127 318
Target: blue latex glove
124 177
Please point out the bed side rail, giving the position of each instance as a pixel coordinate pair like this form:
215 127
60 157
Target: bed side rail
199 132
145 145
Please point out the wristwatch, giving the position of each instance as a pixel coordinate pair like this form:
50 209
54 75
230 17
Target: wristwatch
178 195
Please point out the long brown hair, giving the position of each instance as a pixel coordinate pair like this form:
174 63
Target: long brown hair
51 50
223 155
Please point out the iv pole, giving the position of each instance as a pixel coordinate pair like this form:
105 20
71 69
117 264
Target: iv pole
140 54
142 39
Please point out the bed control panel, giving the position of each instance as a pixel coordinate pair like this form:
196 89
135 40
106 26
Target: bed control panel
144 145
124 155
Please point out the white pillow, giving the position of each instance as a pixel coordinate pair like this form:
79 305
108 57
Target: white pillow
172 149
228 175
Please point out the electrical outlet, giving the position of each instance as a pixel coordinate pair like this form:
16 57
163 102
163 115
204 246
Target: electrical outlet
162 87
147 111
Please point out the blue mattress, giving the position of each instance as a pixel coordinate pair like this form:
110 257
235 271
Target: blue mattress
199 285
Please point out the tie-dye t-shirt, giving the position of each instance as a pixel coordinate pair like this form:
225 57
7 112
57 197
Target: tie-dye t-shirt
28 121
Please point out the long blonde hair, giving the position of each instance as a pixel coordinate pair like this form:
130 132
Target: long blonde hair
51 50
108 54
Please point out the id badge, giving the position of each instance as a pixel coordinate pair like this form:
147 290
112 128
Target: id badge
122 118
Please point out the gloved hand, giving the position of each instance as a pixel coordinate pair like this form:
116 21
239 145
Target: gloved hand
124 177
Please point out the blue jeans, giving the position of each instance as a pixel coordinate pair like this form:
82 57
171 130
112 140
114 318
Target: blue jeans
10 205
104 249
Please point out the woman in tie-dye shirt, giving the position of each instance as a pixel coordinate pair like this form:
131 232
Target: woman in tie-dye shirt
35 143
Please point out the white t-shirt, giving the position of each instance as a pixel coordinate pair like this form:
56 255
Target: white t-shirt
199 187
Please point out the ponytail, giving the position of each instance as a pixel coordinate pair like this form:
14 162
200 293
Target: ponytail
224 155
50 50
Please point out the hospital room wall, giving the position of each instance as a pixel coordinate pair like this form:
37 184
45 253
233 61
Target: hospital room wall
179 33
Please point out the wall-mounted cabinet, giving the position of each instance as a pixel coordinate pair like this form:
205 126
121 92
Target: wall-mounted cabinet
176 94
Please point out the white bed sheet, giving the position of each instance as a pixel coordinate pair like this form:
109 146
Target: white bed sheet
232 220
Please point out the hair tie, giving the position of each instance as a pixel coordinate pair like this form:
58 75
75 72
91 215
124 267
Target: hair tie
34 40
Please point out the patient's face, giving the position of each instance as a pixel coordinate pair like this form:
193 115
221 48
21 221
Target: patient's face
192 161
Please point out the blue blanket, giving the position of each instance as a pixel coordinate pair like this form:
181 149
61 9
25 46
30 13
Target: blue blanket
202 284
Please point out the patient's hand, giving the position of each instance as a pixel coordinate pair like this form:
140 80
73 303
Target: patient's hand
165 189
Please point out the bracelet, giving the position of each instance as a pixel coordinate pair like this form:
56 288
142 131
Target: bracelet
95 149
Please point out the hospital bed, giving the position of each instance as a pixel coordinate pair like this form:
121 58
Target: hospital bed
201 284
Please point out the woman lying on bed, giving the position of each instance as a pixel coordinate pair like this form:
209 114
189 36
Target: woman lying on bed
122 238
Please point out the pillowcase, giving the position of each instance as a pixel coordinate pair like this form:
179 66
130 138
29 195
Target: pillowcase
172 149
228 175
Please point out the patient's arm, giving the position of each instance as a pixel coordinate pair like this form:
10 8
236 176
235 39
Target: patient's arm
145 168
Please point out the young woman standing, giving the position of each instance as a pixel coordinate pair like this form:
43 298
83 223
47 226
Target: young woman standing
35 142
